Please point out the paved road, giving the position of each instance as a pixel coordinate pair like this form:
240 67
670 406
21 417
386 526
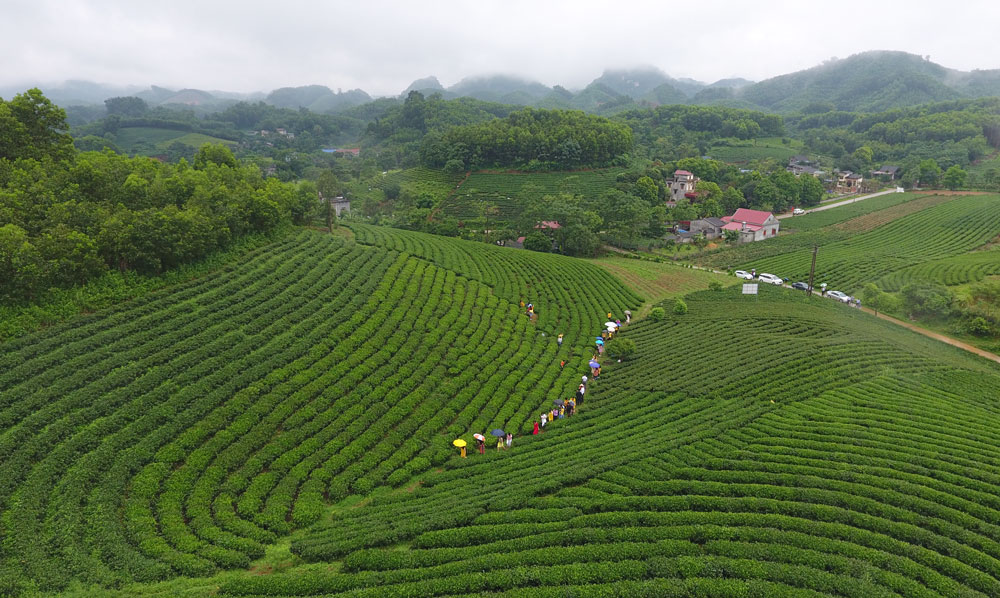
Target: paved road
839 203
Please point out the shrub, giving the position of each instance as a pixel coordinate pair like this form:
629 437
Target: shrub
454 167
537 241
715 285
656 314
680 308
621 348
926 299
978 326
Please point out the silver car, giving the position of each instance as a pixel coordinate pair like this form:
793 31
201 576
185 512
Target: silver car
842 297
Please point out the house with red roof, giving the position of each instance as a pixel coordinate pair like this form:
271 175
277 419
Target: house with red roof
752 225
682 185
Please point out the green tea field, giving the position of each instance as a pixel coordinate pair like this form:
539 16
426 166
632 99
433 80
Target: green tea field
284 426
149 140
740 152
510 191
932 238
418 182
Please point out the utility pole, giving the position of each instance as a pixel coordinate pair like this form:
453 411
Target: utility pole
812 270
329 215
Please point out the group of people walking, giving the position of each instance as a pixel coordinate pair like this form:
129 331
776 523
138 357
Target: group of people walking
560 408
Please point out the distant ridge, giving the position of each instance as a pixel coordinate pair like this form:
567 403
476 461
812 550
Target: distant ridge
868 81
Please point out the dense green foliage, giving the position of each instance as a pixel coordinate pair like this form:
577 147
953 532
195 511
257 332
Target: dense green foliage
532 140
673 132
31 127
950 133
66 217
233 407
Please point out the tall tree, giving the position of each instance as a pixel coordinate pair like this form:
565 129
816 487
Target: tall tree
33 127
954 177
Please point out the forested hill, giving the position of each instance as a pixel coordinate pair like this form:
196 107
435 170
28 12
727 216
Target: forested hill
872 81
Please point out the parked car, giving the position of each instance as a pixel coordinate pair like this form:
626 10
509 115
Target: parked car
743 274
771 278
800 286
842 297
798 211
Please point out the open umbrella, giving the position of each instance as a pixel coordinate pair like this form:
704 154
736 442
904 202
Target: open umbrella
558 402
498 432
594 364
459 442
479 437
609 324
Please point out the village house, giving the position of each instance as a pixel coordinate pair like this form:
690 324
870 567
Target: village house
710 227
849 182
340 204
798 169
888 171
682 185
752 225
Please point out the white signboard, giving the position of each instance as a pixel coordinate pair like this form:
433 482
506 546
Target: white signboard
750 289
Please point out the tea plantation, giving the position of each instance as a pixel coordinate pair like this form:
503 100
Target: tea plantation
510 192
770 446
185 432
928 238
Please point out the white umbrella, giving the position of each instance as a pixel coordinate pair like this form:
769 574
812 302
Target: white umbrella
609 324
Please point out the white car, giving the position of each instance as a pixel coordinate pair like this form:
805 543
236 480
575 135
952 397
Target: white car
842 297
743 274
798 211
771 278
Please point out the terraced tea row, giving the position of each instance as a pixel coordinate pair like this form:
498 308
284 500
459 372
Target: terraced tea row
510 192
185 432
919 245
872 473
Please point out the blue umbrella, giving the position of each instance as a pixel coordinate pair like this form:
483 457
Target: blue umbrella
600 341
498 433
594 364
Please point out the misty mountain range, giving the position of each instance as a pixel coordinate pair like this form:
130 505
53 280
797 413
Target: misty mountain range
870 81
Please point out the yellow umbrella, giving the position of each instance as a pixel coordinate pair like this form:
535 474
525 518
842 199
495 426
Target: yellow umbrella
459 442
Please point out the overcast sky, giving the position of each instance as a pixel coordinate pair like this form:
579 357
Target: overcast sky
382 46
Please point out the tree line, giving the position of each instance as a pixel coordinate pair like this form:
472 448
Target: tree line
67 216
531 139
952 134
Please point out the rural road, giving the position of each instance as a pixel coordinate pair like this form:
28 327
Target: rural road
944 339
838 204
